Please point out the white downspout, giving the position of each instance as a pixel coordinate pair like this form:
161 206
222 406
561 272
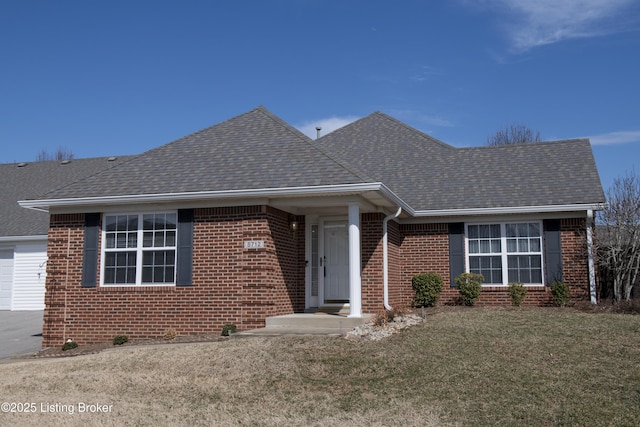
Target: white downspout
385 258
592 270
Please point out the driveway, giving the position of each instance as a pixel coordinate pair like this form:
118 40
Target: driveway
20 333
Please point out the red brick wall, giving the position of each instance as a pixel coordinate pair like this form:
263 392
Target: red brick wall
234 285
575 263
425 249
231 285
372 261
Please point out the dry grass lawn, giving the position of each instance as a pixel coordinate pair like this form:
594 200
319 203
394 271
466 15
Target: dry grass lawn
464 366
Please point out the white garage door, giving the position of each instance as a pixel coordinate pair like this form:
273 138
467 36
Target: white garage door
6 279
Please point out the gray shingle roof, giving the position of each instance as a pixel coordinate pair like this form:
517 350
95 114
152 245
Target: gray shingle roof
257 150
254 150
431 175
31 181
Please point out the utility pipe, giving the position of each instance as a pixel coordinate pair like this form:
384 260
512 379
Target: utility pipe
385 258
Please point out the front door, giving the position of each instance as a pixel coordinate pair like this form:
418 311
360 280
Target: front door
335 262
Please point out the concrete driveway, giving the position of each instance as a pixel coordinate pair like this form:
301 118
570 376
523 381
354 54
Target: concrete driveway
20 333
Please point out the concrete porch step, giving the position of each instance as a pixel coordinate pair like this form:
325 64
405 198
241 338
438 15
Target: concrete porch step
320 323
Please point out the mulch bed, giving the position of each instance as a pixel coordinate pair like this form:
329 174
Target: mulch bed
97 348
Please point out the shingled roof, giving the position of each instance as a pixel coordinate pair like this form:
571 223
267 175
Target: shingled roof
431 175
22 181
254 150
257 151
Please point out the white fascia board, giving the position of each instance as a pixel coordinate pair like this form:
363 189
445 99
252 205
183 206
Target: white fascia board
508 210
35 238
342 189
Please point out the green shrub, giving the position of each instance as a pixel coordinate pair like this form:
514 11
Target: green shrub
428 287
228 329
120 339
469 286
69 345
560 292
517 292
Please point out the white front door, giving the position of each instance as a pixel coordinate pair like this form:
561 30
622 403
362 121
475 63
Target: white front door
334 269
6 279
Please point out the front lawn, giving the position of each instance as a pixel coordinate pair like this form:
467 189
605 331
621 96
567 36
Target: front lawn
465 366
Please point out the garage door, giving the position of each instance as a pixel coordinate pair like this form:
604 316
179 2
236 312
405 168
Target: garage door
6 279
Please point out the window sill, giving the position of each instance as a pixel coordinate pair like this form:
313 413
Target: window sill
136 288
502 288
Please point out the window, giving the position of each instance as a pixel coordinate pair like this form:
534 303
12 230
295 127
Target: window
505 253
139 249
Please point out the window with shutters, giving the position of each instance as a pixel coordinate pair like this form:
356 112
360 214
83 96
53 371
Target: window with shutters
506 252
139 249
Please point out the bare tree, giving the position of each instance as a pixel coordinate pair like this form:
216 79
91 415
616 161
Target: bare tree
513 134
61 154
619 235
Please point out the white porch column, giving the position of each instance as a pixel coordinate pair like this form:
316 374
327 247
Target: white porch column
355 283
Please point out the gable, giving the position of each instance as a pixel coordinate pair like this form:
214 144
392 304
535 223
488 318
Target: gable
431 176
255 150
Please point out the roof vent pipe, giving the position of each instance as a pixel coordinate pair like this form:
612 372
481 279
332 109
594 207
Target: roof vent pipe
385 257
318 129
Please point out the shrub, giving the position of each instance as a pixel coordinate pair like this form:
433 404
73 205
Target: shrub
469 286
428 287
120 339
228 329
69 345
383 317
170 334
517 292
560 293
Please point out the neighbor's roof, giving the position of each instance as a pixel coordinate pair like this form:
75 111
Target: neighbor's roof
254 150
430 175
20 181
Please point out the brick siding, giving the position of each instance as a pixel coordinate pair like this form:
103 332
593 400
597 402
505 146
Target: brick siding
234 285
231 284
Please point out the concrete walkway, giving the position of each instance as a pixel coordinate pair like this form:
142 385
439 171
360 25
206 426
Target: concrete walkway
328 324
20 333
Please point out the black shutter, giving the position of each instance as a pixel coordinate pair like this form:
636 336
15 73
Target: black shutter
552 250
90 256
456 250
185 247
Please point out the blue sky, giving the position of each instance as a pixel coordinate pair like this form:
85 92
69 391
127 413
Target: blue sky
121 77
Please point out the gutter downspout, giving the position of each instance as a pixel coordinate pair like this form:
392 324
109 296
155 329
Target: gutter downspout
592 269
385 258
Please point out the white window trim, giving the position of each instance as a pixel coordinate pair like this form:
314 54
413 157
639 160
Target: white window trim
139 250
503 246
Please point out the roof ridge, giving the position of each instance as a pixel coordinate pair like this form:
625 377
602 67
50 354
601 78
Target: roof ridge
411 128
344 164
278 120
527 144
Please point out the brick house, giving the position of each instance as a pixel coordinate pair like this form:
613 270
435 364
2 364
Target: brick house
250 218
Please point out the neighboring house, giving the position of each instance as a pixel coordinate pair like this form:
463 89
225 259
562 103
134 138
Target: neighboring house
23 233
250 218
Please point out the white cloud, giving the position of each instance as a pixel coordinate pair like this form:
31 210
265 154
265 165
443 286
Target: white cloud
328 125
621 137
532 23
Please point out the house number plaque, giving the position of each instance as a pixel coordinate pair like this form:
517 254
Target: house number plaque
253 244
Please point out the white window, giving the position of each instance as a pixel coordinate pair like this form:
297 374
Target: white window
139 249
505 253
